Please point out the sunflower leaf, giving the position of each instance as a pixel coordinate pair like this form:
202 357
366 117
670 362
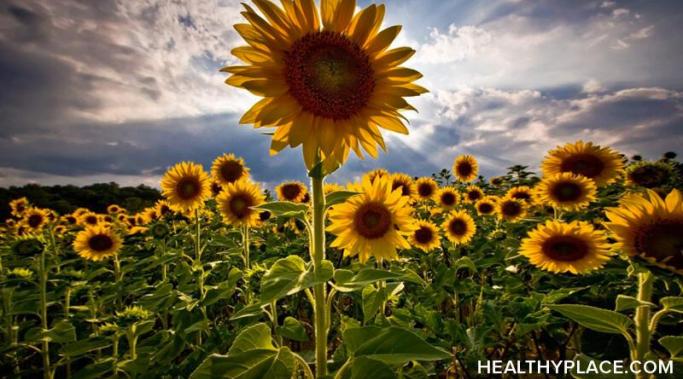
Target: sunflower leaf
338 197
598 319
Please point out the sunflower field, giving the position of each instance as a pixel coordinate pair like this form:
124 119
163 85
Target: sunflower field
388 276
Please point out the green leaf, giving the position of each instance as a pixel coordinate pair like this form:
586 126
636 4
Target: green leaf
284 208
290 275
85 346
465 262
338 197
372 300
96 370
674 345
624 303
317 171
252 364
363 367
346 281
598 319
672 303
292 329
254 337
392 345
62 331
225 289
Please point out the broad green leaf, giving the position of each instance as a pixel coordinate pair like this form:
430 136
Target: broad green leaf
346 281
84 346
290 275
284 208
672 303
225 289
554 296
624 303
674 345
96 370
292 329
250 310
392 345
363 367
338 197
372 300
252 364
465 262
253 337
62 331
598 319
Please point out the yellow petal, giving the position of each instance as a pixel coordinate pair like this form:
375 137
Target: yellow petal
383 40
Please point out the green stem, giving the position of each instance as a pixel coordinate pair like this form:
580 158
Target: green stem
200 268
47 371
273 316
319 290
642 318
164 267
132 343
245 243
117 279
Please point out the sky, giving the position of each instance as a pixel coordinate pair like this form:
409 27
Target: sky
119 90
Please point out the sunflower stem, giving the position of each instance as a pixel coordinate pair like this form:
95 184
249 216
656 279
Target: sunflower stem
642 318
200 268
45 351
319 291
245 243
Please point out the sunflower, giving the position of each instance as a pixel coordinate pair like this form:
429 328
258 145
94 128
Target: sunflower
18 206
97 243
649 227
648 174
89 219
465 168
291 191
329 188
473 194
163 209
114 209
151 213
565 191
426 188
510 209
523 193
327 78
80 211
376 173
236 203
405 183
372 222
35 218
447 197
459 227
486 206
559 247
186 186
426 236
69 219
602 164
228 169
496 181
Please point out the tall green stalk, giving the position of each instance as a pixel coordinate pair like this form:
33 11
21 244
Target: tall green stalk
245 246
319 291
200 268
45 351
642 319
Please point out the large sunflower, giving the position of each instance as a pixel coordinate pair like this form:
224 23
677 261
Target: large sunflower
523 193
372 222
447 197
228 169
559 247
565 191
236 203
473 194
327 78
35 218
97 243
403 182
89 219
18 206
510 209
602 164
459 227
465 168
425 188
186 186
486 206
649 227
291 191
426 236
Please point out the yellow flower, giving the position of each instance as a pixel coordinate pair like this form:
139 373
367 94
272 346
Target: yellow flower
236 203
426 188
327 78
565 191
228 169
88 219
486 206
465 168
18 206
35 218
447 197
376 173
601 164
559 247
291 191
329 188
459 227
404 183
496 181
163 209
473 194
650 228
426 236
114 209
523 193
372 222
510 209
97 243
79 212
186 186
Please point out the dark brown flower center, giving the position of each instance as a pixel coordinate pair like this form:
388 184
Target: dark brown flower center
405 187
474 195
565 248
464 169
424 235
372 220
511 208
291 191
425 189
521 195
649 176
587 165
91 220
239 205
485 208
188 188
566 192
329 75
100 243
662 241
231 170
448 199
35 220
458 227
264 216
164 210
